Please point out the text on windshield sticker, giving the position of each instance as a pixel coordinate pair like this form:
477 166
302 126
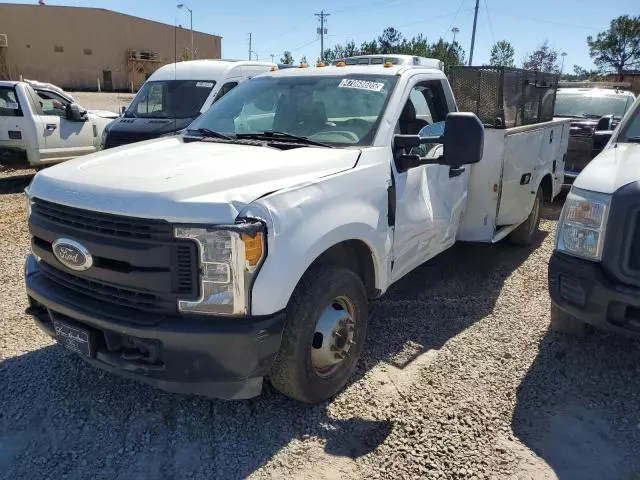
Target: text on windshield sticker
204 84
361 85
12 106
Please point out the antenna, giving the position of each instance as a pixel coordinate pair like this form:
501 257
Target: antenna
322 31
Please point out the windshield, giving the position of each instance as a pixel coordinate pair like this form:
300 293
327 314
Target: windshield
631 131
589 105
340 110
170 99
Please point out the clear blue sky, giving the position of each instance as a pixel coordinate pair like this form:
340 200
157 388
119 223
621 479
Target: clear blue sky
279 25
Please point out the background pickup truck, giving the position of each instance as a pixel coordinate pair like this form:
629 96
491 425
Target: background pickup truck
40 125
250 246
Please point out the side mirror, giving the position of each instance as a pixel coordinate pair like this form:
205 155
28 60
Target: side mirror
602 134
74 114
605 123
124 109
463 139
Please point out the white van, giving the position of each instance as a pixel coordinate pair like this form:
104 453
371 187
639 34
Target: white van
175 95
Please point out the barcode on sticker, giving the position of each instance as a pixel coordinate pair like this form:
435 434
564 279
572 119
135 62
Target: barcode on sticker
204 84
361 84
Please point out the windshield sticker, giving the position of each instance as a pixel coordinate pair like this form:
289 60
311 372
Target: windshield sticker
204 84
12 106
361 85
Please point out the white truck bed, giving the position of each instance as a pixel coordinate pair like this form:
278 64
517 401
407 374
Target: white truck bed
502 186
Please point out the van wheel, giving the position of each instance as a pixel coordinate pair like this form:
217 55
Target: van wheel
562 322
525 233
324 334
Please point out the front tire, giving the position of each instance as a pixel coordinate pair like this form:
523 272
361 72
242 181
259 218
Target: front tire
324 334
562 322
526 232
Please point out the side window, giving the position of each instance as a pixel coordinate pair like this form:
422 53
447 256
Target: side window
9 105
52 104
226 88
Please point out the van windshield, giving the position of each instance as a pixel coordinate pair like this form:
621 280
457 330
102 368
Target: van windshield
591 106
337 110
170 99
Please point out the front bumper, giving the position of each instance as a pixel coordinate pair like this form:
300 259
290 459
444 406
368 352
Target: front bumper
582 289
217 357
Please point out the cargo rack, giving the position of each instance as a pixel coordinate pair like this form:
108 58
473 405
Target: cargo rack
504 97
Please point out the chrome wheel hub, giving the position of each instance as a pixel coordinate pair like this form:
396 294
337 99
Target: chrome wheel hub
333 336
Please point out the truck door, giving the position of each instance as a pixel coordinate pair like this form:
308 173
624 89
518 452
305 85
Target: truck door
430 198
64 138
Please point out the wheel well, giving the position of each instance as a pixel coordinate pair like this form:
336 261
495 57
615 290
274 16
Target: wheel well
356 256
547 188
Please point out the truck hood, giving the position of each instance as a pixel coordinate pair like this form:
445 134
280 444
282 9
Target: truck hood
103 113
614 168
193 182
148 126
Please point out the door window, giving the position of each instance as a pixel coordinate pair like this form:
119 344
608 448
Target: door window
9 104
226 88
52 104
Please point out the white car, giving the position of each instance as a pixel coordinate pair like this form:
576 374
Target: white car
40 125
250 246
594 274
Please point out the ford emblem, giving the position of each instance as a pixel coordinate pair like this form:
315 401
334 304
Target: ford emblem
72 254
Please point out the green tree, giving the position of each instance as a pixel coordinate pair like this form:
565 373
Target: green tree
502 54
450 53
544 59
618 48
390 41
304 60
286 58
370 48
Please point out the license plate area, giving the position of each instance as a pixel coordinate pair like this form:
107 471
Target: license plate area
73 336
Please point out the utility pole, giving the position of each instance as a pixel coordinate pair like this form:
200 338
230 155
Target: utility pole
250 49
563 54
473 35
273 58
322 31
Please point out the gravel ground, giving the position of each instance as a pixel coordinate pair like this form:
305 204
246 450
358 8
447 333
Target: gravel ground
460 379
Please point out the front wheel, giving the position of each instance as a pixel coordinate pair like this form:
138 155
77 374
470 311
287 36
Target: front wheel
324 334
525 233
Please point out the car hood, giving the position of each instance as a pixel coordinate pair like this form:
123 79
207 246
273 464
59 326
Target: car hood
148 126
617 166
193 182
103 113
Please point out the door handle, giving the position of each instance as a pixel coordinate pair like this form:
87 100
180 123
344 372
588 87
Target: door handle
51 126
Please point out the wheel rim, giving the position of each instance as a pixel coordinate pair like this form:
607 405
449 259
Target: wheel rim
333 336
535 213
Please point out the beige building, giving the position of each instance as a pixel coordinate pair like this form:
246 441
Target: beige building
78 47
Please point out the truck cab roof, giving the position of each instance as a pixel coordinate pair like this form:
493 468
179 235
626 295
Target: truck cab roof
205 69
336 70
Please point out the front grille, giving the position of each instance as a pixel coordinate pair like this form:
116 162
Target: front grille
103 223
111 294
117 140
186 262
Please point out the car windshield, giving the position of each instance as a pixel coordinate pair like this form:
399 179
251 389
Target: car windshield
631 131
335 110
590 105
170 99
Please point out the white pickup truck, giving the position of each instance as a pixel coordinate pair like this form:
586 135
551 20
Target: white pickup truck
250 246
41 124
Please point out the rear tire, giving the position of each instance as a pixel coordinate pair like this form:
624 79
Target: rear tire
562 322
526 232
312 366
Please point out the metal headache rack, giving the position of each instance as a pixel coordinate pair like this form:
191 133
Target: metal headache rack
504 97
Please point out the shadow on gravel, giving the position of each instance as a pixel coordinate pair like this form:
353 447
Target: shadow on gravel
62 418
578 407
14 184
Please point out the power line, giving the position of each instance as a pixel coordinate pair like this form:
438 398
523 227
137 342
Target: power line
460 5
551 22
305 45
486 7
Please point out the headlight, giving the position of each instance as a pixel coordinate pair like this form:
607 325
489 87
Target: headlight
582 224
29 202
230 257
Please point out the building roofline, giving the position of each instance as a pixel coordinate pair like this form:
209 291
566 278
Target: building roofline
24 5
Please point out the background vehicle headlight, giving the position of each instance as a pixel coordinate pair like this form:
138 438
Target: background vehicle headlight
582 225
230 257
103 139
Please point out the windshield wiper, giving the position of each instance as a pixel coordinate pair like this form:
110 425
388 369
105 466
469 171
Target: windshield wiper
208 133
284 136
